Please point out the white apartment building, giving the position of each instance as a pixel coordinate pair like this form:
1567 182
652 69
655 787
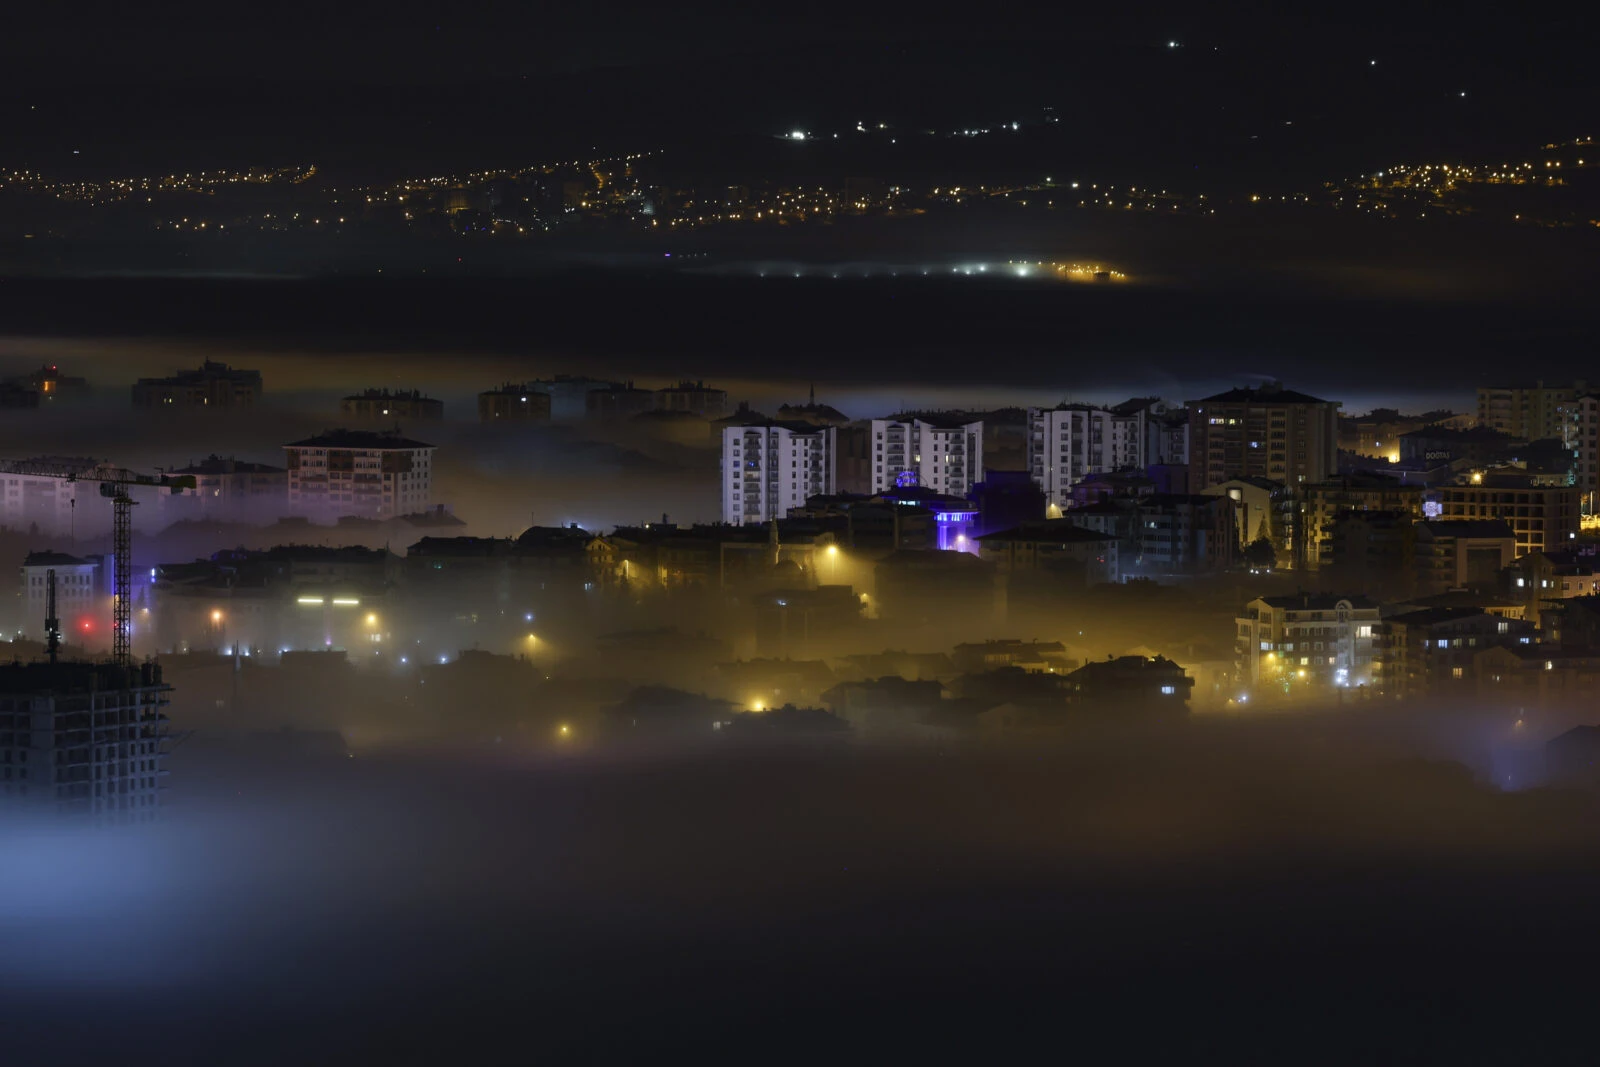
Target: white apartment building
1069 442
1294 644
770 467
359 472
943 455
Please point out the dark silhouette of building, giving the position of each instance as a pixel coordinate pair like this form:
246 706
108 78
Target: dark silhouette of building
213 385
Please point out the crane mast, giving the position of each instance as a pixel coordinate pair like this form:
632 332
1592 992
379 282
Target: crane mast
52 624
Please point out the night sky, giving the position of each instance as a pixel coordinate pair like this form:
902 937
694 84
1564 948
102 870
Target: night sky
1275 89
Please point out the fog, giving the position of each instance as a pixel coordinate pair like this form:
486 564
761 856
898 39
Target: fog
771 803
934 900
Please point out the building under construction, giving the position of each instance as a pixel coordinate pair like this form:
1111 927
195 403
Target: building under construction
83 738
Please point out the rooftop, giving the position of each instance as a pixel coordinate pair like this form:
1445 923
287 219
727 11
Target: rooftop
1317 602
364 439
385 394
76 676
942 420
1270 393
53 559
215 464
1432 616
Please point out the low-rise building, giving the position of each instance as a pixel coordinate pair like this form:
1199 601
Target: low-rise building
1138 683
1309 642
1537 676
1457 553
1050 657
83 597
1441 444
1053 548
885 704
1430 652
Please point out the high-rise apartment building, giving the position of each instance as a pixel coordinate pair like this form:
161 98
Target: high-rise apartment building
213 385
382 404
231 487
513 403
1266 432
695 398
1070 442
945 455
1544 518
1532 412
359 472
83 738
770 467
1583 437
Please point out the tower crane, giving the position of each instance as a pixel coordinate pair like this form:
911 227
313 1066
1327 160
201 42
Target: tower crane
114 485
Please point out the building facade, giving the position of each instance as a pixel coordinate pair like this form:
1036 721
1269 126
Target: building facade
770 467
83 597
695 398
1582 435
213 385
1070 442
1532 411
359 472
618 400
513 403
1265 432
83 738
944 456
382 404
569 395
1184 534
1320 503
1307 643
1544 518
229 487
